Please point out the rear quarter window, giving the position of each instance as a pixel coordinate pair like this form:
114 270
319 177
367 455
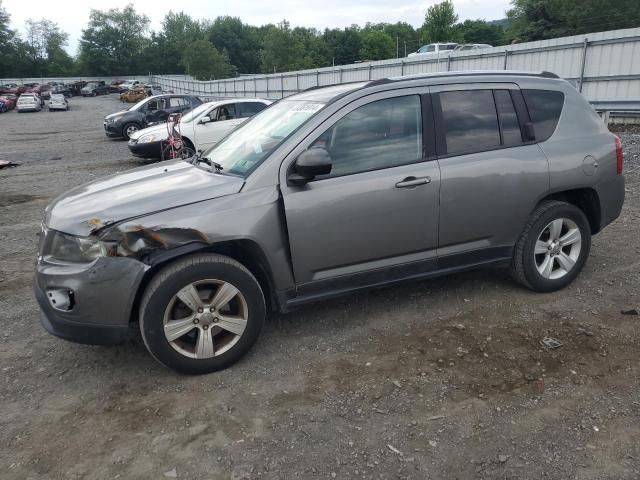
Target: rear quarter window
545 107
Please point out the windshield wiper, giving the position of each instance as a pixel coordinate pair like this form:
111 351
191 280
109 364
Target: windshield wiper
198 158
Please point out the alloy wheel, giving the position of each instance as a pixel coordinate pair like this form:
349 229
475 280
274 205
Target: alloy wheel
205 318
558 248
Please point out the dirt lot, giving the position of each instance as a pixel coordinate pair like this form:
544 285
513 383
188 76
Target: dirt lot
439 379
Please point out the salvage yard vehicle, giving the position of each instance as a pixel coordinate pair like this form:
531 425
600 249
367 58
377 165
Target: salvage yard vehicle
127 85
434 49
134 95
9 100
29 102
200 129
149 111
93 89
58 102
327 192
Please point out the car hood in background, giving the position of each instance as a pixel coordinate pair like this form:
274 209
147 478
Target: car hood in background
161 186
160 130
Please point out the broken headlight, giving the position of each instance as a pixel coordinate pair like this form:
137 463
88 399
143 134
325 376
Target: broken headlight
70 248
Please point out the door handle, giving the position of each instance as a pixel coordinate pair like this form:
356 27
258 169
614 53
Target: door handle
411 182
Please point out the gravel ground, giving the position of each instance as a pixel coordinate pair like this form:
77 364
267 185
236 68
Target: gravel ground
438 379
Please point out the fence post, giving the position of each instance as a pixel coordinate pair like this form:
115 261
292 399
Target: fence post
449 63
282 86
317 78
506 56
297 84
402 67
584 62
369 70
267 79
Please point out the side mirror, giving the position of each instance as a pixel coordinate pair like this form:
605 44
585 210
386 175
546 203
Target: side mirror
204 120
311 163
529 132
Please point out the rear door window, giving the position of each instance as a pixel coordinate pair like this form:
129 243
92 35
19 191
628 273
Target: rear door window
470 121
545 107
509 124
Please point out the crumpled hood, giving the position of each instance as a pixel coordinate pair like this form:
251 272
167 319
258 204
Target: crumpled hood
116 114
134 193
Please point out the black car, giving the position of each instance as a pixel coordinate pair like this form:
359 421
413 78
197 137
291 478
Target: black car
147 112
93 89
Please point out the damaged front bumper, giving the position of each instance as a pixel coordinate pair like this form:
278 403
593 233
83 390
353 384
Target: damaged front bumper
88 303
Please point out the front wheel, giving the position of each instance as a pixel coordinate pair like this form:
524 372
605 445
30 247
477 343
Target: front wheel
553 247
202 313
129 129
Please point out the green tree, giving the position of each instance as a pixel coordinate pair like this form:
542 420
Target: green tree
343 45
204 62
401 33
542 19
9 43
113 42
377 45
281 50
481 31
239 40
440 24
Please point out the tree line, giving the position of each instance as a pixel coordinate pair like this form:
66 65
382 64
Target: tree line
119 42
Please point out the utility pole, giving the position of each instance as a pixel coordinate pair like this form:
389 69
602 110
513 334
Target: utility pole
397 47
405 48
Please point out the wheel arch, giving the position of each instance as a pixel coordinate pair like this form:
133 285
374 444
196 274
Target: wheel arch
586 199
245 251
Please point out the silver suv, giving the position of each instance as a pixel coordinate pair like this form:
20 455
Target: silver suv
327 192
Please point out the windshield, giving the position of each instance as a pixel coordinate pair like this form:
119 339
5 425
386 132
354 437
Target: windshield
196 112
138 105
252 142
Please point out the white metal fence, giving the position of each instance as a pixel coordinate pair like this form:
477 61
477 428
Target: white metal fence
603 66
22 81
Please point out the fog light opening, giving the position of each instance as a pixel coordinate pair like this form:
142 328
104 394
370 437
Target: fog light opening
61 299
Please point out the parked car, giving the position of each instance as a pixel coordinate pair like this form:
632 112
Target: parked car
153 90
434 49
471 46
9 88
3 106
58 102
29 102
76 87
62 89
127 85
148 111
9 100
326 192
133 95
93 89
201 128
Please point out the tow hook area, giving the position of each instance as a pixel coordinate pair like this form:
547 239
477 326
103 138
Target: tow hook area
61 299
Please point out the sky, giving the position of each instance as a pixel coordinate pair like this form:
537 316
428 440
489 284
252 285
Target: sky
310 13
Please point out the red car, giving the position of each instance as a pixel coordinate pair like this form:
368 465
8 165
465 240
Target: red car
9 100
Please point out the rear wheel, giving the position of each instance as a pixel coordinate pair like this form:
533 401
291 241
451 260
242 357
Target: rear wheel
553 247
202 313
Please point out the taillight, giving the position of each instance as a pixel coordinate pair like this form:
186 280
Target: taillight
619 157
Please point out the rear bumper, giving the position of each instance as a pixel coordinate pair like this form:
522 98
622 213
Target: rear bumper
102 299
611 195
146 150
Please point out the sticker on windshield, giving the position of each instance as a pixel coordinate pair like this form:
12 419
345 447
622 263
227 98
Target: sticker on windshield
307 107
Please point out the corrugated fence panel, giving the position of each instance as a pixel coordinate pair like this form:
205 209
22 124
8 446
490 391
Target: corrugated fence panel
611 68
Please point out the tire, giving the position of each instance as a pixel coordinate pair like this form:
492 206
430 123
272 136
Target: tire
129 129
562 254
160 305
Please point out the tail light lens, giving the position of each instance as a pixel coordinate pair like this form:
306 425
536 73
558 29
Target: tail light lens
619 156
